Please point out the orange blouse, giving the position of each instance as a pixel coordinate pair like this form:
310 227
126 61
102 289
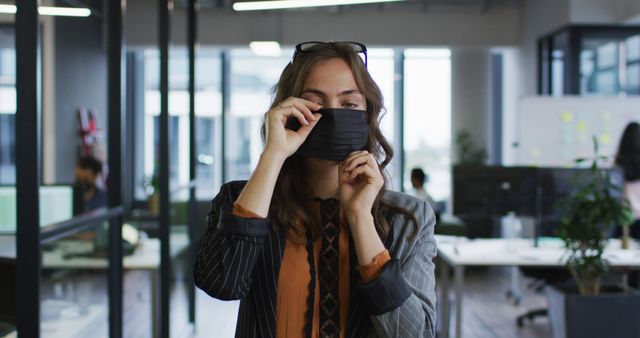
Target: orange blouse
294 279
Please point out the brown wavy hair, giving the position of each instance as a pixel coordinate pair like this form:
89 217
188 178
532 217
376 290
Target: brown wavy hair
291 202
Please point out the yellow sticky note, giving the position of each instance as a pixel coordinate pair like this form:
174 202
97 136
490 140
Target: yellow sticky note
567 117
581 126
605 139
534 152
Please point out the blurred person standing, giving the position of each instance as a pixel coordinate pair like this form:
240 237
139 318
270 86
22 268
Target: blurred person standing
628 158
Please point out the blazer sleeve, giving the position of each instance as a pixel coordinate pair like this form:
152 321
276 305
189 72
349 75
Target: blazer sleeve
229 248
401 301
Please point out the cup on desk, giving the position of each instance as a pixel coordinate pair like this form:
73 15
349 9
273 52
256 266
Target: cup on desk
512 230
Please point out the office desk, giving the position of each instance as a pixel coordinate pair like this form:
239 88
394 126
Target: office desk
146 257
459 252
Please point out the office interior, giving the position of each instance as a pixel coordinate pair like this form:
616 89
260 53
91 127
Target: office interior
493 99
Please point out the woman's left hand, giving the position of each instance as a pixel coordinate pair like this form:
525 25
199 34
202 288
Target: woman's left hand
359 180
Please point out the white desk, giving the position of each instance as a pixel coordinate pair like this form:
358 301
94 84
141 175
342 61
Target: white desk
145 257
459 252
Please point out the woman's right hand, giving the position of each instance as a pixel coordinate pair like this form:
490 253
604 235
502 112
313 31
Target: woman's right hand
283 141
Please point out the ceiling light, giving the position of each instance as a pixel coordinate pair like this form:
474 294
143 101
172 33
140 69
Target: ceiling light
64 11
284 4
57 11
265 48
7 9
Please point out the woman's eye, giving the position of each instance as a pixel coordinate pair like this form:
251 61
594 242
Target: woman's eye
350 104
316 101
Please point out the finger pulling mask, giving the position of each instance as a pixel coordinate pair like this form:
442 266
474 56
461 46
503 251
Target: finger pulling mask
338 133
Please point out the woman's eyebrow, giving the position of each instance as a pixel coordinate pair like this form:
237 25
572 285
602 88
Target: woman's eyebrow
321 93
350 92
314 91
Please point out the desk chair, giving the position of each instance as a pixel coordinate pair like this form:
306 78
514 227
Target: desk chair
542 276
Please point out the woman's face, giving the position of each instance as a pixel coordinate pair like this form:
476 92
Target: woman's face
331 84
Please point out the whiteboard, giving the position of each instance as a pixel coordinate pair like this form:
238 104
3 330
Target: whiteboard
554 131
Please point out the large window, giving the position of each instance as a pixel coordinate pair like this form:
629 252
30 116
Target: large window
208 108
252 78
427 118
381 66
7 106
250 84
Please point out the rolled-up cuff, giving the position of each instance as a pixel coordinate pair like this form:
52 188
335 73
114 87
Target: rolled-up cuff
241 211
237 225
372 270
387 292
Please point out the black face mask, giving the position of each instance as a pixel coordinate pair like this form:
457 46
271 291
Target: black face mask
338 133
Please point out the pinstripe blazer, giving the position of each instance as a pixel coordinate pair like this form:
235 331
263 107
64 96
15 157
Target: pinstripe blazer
240 258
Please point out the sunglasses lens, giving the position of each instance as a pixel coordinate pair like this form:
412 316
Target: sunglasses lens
313 46
358 48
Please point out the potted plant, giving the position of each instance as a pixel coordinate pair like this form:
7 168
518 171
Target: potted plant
587 308
467 152
151 186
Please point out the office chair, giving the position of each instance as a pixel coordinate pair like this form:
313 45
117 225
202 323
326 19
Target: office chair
542 276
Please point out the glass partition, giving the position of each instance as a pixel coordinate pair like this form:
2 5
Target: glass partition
56 205
73 289
208 122
74 111
179 159
180 267
7 175
7 104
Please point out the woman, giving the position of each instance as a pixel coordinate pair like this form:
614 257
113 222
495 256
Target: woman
628 158
313 244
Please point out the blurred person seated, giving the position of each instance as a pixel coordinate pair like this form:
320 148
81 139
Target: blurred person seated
89 196
418 180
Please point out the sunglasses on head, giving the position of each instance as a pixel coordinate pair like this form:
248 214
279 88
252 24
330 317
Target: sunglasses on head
314 46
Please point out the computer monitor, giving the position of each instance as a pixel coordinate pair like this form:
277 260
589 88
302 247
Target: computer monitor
558 184
487 192
56 205
492 191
